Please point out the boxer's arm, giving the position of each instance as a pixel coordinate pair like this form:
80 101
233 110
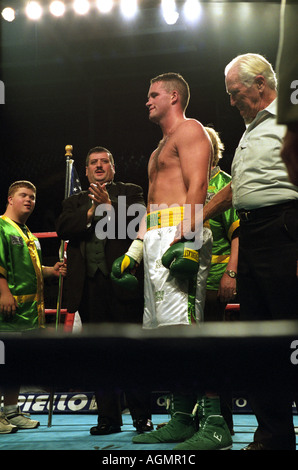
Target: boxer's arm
194 150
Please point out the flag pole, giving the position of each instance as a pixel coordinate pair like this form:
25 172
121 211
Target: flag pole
69 162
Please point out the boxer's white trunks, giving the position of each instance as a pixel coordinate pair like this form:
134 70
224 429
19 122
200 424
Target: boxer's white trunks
170 301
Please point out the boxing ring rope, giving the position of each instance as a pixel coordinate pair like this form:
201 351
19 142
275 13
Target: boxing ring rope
45 234
162 359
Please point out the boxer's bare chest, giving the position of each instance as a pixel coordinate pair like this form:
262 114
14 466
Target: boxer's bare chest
163 158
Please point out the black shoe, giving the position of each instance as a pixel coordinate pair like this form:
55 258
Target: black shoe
254 446
143 425
104 429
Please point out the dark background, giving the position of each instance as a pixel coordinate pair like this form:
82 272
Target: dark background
84 81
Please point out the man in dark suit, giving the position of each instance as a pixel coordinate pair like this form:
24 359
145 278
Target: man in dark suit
90 254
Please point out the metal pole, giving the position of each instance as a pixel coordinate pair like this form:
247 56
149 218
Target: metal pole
69 162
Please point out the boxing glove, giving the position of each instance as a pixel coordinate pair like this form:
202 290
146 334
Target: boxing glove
182 260
122 266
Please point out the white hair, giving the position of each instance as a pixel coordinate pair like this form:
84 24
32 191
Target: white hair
251 65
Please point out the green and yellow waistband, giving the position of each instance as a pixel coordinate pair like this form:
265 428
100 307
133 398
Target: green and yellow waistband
168 217
165 217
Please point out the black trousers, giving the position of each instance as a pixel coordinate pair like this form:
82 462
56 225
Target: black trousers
267 267
214 309
267 288
101 304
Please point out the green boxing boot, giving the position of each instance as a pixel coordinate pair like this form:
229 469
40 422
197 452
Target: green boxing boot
180 427
213 433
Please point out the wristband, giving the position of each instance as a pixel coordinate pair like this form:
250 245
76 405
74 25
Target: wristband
135 251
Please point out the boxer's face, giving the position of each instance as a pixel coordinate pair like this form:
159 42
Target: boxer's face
99 168
159 101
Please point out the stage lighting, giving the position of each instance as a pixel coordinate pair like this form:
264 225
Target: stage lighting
128 8
33 10
217 9
169 11
104 6
81 7
8 14
57 8
192 10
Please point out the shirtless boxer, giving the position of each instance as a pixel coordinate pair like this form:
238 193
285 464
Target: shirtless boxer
176 268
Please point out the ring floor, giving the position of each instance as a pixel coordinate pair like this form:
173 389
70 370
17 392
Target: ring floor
71 432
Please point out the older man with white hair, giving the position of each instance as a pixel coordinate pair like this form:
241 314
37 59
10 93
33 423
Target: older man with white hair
267 205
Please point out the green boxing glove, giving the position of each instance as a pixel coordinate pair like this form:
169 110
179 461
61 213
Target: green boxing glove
182 260
122 266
